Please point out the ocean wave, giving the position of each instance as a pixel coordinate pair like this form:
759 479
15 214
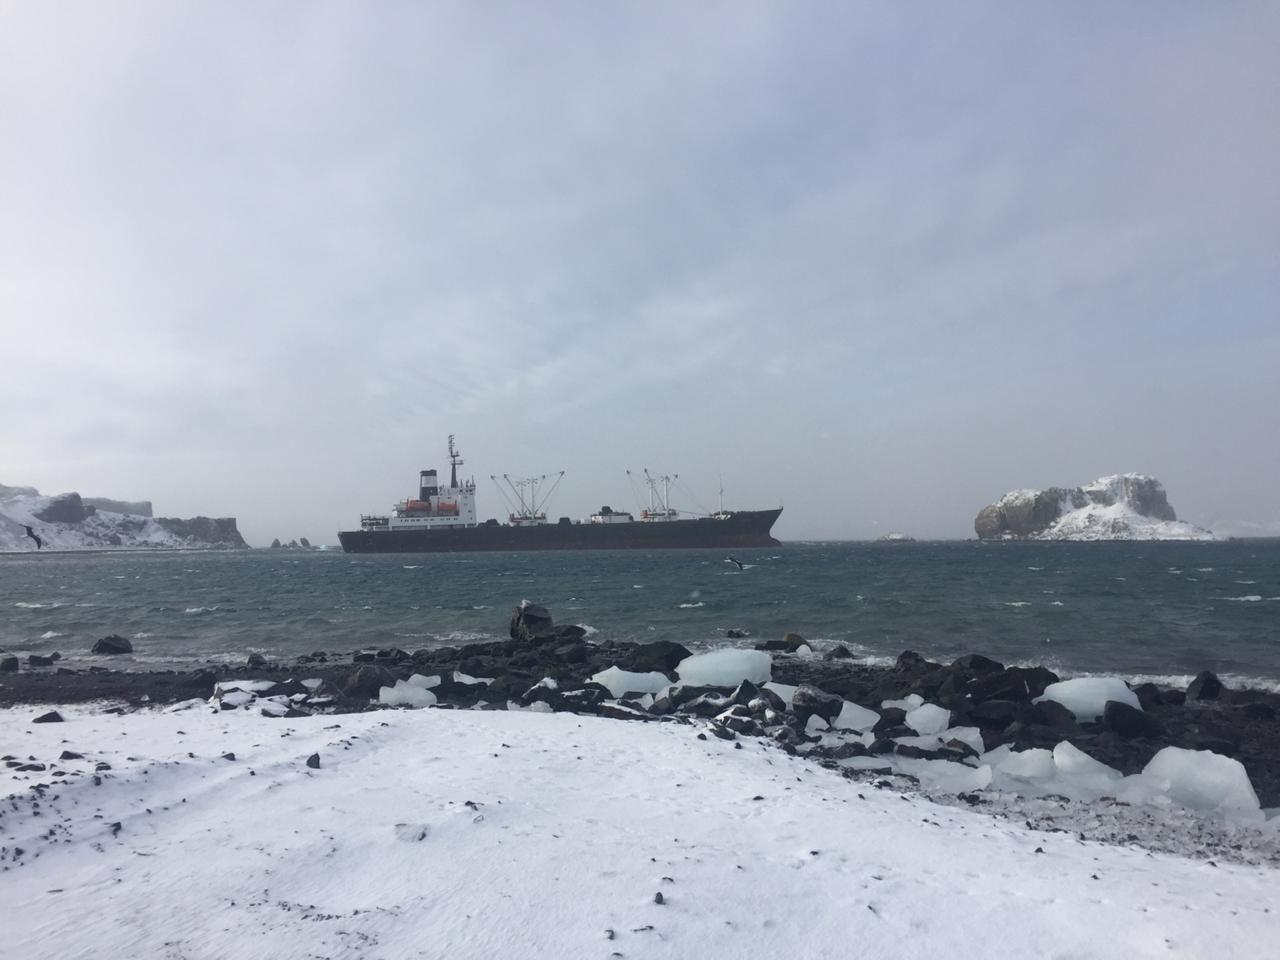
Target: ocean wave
26 605
590 630
51 635
1018 603
690 606
1250 598
193 610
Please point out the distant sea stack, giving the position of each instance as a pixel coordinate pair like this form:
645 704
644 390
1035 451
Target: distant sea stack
71 522
1126 506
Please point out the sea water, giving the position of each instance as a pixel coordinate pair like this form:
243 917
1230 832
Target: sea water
1148 610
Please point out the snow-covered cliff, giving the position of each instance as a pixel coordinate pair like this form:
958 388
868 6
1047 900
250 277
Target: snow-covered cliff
1125 506
68 522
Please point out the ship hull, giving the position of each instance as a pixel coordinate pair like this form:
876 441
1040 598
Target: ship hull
745 528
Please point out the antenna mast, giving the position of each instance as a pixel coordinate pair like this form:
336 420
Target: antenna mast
455 461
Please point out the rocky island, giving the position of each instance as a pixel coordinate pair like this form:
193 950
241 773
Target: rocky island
1126 506
72 522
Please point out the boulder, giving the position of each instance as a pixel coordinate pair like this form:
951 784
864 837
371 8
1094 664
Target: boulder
998 714
112 645
53 716
1130 721
35 660
255 661
1055 716
977 665
530 623
1206 686
367 679
9 665
810 701
661 656
839 652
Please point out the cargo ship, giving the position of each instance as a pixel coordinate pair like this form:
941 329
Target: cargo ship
442 519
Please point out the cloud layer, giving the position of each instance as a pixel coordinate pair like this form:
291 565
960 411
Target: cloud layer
877 264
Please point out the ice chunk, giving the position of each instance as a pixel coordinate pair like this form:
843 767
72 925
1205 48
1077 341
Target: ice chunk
785 690
1028 764
235 698
928 718
945 776
907 704
994 757
804 650
426 683
248 686
971 736
1205 781
1071 761
1086 696
726 668
273 708
853 717
815 725
405 694
621 681
460 677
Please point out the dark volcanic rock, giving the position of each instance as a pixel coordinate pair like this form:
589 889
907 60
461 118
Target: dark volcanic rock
35 660
1206 686
255 661
367 679
313 761
997 714
68 508
661 656
112 645
530 622
9 665
1130 721
810 701
839 652
53 716
977 665
1055 716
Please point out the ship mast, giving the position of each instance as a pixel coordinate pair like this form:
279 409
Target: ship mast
455 461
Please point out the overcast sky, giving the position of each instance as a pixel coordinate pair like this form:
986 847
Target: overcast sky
878 263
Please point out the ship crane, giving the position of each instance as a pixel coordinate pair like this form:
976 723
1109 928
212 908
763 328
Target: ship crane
659 497
526 505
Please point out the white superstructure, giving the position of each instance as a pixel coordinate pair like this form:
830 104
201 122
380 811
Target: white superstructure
435 507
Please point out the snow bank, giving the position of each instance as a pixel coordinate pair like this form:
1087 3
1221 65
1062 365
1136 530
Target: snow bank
1087 696
470 834
726 668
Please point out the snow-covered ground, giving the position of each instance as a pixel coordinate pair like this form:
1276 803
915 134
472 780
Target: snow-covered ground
438 833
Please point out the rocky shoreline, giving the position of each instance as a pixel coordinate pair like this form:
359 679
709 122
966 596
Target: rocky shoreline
549 667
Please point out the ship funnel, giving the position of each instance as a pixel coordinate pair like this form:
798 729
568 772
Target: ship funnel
428 485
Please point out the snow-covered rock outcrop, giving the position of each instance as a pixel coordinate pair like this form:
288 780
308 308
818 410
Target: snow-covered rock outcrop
69 522
1126 506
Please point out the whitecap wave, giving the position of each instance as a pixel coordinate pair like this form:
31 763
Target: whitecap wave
690 606
51 634
1018 603
36 606
193 610
1249 598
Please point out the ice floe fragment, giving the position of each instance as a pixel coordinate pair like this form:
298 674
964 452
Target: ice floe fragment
726 668
1087 696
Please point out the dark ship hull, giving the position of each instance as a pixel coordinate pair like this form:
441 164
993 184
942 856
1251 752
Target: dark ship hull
743 528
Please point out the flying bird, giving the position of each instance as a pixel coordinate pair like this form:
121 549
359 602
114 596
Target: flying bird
32 534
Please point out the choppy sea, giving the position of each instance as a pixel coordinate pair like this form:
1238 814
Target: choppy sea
1148 610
